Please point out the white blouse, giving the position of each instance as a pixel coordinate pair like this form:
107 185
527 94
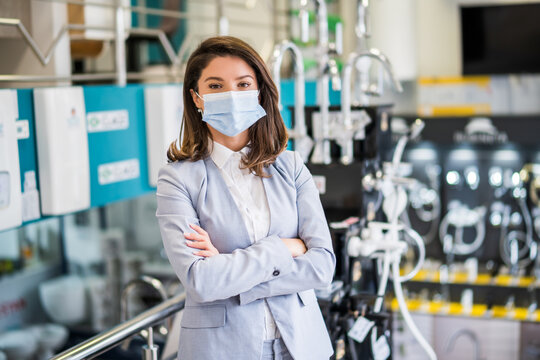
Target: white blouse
248 193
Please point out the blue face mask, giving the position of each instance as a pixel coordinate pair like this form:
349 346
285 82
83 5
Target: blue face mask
232 112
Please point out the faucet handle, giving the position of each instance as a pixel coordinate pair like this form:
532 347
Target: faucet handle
338 41
304 25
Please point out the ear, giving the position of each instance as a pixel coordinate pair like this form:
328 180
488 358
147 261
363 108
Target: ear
197 100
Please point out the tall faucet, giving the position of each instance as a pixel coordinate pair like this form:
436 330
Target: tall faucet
326 67
362 24
349 129
150 350
302 142
471 335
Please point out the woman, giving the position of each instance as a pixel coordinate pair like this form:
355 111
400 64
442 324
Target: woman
240 217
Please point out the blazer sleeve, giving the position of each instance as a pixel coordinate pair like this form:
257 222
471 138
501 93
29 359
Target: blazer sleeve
220 276
314 269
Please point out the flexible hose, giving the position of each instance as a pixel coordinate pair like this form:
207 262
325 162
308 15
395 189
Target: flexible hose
383 283
407 316
460 247
508 237
421 254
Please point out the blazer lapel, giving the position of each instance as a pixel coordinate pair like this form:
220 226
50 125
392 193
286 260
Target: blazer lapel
225 220
270 188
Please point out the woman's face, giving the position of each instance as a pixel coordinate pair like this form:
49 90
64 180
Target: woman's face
224 73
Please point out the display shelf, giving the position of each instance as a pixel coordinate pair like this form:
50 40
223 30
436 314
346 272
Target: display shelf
476 311
463 278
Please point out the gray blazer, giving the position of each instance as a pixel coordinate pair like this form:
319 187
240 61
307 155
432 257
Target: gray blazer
224 313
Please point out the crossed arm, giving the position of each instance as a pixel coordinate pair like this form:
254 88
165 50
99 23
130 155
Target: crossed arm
304 263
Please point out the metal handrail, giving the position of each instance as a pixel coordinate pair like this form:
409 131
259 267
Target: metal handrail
106 340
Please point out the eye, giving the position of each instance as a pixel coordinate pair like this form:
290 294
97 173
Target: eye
244 84
214 86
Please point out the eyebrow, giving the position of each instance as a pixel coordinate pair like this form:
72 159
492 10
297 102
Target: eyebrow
220 79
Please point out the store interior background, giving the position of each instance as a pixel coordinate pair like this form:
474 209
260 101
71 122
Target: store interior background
101 249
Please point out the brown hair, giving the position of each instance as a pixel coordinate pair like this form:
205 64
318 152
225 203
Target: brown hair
268 136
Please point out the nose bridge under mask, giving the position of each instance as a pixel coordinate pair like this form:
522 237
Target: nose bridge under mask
230 101
231 112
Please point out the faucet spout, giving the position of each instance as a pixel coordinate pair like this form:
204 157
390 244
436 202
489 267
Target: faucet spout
302 141
378 56
146 281
468 333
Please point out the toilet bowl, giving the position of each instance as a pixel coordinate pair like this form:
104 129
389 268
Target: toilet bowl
64 299
50 337
18 344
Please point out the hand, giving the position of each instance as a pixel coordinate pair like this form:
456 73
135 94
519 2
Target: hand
200 240
295 246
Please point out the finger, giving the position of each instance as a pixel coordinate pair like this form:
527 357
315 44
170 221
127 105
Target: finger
195 237
204 253
197 244
198 229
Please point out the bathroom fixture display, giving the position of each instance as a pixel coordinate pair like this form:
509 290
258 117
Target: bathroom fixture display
302 142
459 217
326 69
50 337
150 350
62 309
164 109
10 178
18 344
382 241
62 149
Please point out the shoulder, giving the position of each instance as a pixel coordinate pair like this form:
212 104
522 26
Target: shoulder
290 165
182 172
289 161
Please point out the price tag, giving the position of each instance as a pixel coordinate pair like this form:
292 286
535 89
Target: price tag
381 349
360 329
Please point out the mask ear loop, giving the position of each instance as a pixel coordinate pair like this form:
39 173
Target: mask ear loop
199 109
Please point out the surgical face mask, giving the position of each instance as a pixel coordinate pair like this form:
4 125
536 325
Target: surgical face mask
232 112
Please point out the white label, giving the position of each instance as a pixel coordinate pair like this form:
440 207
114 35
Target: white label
30 182
320 183
100 121
30 205
360 329
118 171
381 349
5 189
23 129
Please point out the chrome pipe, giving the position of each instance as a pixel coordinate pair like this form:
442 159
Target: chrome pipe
381 58
299 84
346 102
321 128
302 142
84 77
120 46
468 333
106 340
137 9
160 35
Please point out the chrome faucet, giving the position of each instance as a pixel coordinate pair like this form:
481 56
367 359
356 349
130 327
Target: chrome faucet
471 335
302 142
362 23
349 128
327 68
150 350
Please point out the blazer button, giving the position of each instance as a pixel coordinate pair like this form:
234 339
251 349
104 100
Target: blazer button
275 273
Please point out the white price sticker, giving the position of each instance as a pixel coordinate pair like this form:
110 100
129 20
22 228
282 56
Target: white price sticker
320 183
360 329
381 349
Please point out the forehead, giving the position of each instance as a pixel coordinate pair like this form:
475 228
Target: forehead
227 67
